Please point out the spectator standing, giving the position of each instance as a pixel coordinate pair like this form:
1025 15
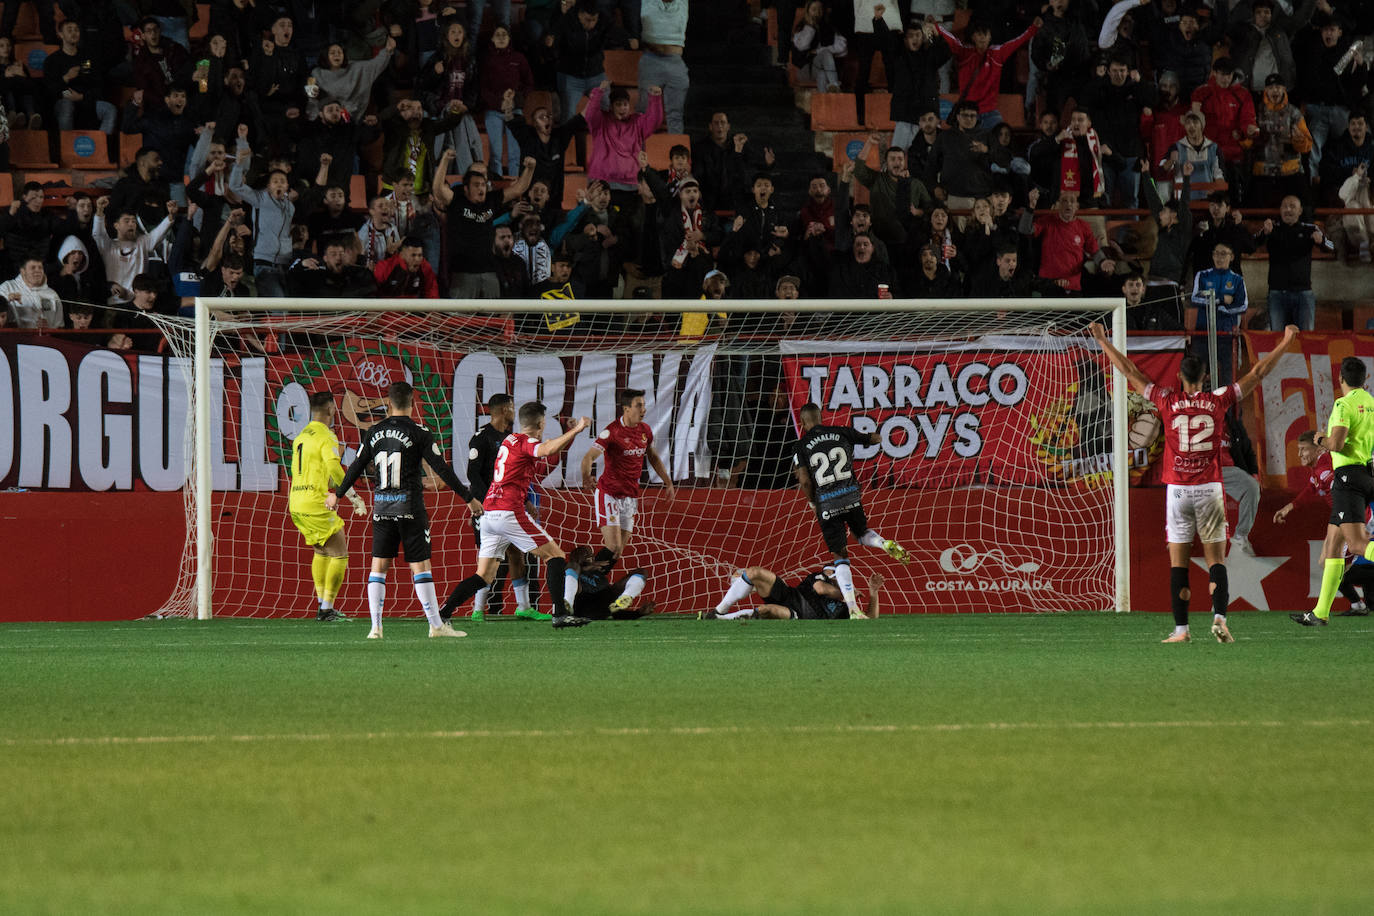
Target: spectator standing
472 211
895 195
505 80
1116 100
1067 242
158 64
1197 151
687 232
720 164
167 128
1229 112
959 164
1162 125
347 82
546 145
1343 155
978 65
331 134
1060 52
74 82
510 271
1282 141
1224 286
1174 241
1359 230
273 212
1289 243
448 86
817 217
580 40
916 60
1261 40
379 236
75 280
663 31
125 256
532 251
618 136
26 227
276 71
1326 94
1223 224
856 274
1187 49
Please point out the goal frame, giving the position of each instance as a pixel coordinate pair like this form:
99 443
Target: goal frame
203 337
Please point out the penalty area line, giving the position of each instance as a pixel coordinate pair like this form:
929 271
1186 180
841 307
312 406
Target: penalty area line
673 731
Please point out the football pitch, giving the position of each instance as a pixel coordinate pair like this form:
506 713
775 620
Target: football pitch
973 764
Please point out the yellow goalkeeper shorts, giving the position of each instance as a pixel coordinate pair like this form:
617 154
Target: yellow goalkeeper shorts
317 527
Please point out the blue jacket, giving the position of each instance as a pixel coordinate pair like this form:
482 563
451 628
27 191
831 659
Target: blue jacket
1223 283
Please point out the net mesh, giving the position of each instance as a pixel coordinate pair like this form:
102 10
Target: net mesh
992 468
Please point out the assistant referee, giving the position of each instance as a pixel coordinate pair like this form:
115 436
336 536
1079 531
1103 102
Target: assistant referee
1350 440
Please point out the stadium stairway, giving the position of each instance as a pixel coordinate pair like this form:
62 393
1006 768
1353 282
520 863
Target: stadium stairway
732 71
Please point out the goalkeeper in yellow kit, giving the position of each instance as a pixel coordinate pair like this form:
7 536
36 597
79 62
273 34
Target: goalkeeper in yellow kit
315 471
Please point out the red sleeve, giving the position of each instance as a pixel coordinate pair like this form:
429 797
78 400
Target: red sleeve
1157 395
1011 47
383 270
431 282
1090 244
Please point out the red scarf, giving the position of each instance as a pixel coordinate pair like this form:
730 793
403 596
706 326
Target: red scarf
1071 171
691 219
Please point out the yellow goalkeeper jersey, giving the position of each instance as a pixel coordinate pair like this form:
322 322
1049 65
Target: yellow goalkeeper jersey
315 467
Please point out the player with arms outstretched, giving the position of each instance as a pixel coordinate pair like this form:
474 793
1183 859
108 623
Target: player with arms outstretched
1350 440
395 448
505 522
626 442
823 462
315 467
817 597
1193 420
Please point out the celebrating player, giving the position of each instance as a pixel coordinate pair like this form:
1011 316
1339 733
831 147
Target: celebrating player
597 596
1350 440
1319 487
626 442
817 597
396 446
482 451
505 523
823 462
315 467
1193 421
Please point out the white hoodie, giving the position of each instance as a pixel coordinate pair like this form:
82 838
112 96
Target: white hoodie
34 302
126 260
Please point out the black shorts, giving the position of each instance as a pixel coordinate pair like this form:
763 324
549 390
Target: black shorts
789 597
1352 492
835 529
410 533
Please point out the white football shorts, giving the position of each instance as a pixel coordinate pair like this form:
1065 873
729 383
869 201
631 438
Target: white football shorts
616 510
501 528
1194 510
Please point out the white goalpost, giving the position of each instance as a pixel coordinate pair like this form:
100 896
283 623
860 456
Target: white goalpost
1002 463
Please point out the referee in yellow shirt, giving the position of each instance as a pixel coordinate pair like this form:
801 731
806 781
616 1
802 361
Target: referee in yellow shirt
1350 440
315 471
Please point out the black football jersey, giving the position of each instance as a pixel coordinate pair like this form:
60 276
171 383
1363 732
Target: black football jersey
834 608
826 453
391 453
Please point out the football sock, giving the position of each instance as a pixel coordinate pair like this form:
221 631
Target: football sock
740 588
1332 572
317 572
376 594
1221 589
521 587
461 593
335 568
871 538
553 577
429 601
570 584
479 602
845 577
733 615
1179 595
634 585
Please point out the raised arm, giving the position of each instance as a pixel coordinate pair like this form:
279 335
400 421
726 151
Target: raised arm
1119 360
1267 362
442 193
554 446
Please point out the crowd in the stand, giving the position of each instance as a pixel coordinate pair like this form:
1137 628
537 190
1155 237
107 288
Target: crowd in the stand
460 117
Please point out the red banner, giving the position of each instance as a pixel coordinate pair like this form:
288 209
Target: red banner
1297 396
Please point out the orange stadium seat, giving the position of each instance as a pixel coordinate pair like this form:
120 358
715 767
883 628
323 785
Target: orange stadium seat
622 67
29 150
85 149
33 53
847 146
833 111
129 145
658 146
572 161
571 185
878 111
6 189
201 27
357 192
1012 108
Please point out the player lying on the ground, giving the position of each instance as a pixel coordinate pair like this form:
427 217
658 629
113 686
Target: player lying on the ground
823 462
1193 420
1318 488
817 597
315 467
626 443
1350 439
397 446
505 522
598 598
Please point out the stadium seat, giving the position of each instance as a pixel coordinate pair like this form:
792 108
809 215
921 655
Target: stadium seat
658 146
796 80
201 27
622 67
833 111
571 185
878 111
33 54
29 150
129 145
357 192
6 189
847 146
572 161
85 149
26 23
1012 108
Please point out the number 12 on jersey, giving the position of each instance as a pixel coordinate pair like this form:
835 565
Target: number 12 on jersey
1194 432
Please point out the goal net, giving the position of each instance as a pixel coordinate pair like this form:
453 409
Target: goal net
998 425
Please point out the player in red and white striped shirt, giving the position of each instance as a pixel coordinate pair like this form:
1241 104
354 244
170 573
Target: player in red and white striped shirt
1194 419
626 442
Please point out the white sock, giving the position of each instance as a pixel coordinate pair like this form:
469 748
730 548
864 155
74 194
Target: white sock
521 587
1182 629
872 538
1218 618
570 584
634 586
376 594
746 612
740 588
424 590
845 578
479 601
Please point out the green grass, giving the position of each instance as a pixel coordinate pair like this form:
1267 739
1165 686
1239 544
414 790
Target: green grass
956 764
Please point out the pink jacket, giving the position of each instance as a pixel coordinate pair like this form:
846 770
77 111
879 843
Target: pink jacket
613 154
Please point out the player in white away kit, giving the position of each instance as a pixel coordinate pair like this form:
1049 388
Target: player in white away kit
505 522
626 443
1193 421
